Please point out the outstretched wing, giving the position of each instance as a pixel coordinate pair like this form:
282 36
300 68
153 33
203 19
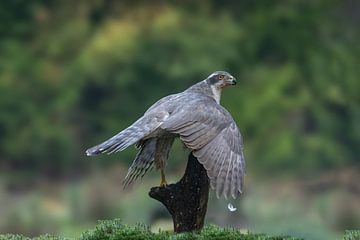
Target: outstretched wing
131 135
209 130
223 160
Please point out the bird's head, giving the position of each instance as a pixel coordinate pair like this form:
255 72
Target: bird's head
221 79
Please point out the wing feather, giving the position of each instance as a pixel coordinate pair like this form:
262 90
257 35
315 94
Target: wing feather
131 135
222 175
227 181
235 178
211 133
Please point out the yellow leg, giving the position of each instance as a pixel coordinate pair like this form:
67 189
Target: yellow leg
163 182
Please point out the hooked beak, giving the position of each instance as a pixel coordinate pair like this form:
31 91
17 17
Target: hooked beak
233 81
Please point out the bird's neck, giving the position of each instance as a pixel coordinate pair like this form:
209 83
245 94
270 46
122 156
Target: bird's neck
216 92
207 89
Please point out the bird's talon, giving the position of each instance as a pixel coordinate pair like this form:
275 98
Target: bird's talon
163 184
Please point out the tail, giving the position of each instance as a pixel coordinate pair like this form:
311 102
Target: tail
131 135
143 162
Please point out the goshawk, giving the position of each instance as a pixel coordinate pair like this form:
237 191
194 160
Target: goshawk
201 123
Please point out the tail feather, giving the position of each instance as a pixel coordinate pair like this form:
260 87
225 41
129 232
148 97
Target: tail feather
143 162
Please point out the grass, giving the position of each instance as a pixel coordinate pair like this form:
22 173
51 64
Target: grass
115 230
352 235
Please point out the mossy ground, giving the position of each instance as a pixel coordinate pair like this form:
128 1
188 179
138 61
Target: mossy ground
115 230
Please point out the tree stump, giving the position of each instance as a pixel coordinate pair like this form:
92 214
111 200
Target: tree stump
187 199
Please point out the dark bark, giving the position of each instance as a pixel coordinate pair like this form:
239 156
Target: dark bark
187 199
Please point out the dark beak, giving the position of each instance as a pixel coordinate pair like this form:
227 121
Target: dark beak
233 82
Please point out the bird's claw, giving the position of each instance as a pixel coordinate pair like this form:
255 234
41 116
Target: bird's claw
163 184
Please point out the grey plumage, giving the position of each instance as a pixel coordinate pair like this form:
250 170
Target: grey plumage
143 161
202 124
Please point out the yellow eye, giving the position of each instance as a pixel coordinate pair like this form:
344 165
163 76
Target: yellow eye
221 77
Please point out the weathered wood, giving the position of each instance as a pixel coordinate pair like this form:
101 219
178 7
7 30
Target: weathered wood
187 199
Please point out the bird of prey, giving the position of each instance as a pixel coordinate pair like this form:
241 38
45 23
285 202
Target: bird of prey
202 124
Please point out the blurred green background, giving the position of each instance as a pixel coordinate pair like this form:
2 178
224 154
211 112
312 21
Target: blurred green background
73 73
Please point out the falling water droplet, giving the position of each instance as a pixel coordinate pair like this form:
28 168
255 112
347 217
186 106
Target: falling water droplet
231 208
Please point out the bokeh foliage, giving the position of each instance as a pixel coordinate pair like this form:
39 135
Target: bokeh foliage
74 73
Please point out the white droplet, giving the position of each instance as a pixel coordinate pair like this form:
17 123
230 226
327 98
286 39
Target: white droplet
231 208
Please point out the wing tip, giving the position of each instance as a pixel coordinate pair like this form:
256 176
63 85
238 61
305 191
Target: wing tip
228 195
92 152
88 153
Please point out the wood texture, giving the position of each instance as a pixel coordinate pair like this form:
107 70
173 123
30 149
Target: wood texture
187 199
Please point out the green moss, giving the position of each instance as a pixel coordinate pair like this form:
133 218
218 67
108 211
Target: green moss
115 230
